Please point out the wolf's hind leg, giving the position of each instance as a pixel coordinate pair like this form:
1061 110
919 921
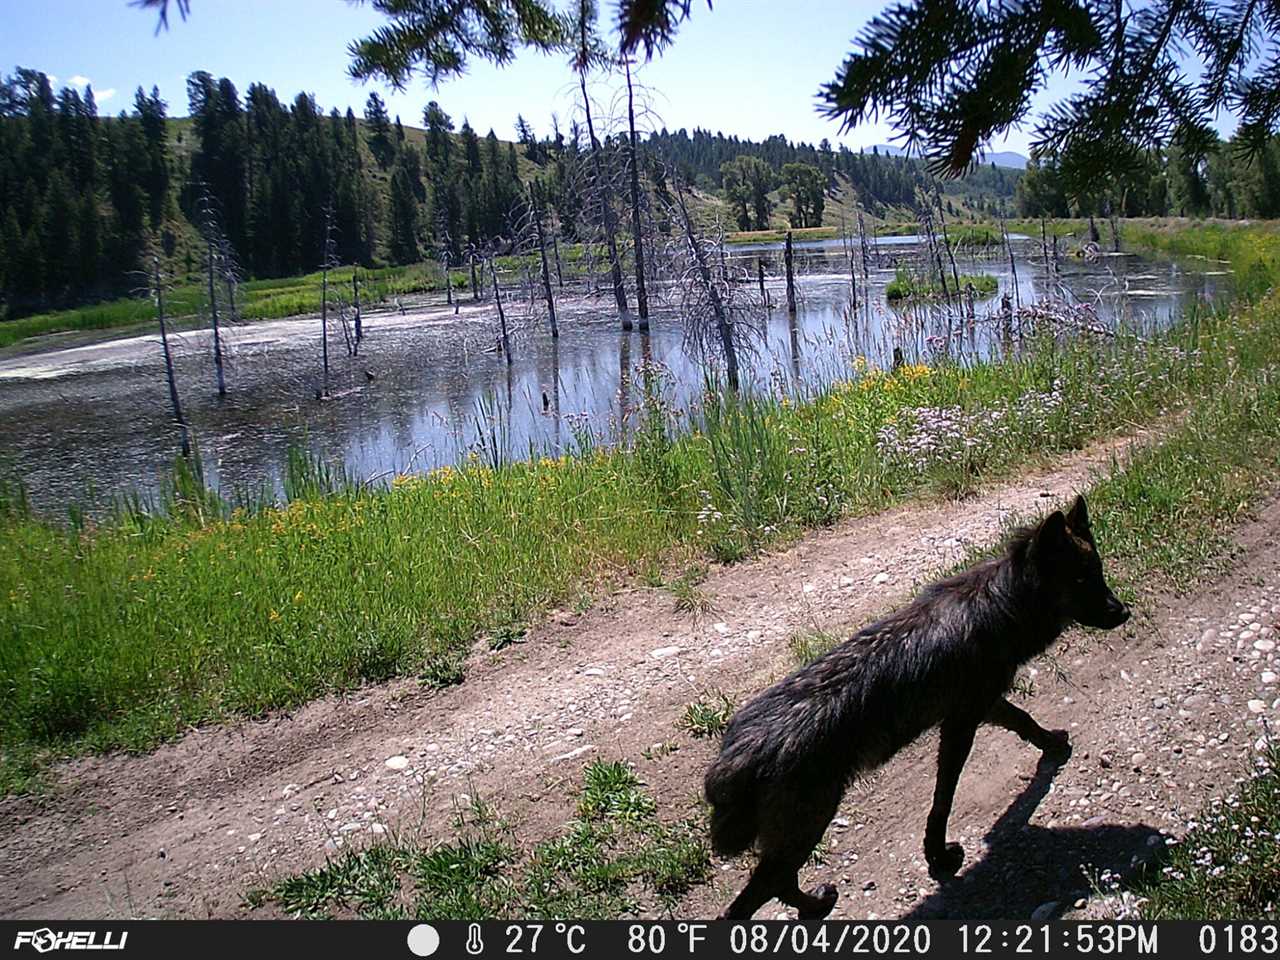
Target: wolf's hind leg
793 817
1055 744
768 880
814 905
953 750
775 878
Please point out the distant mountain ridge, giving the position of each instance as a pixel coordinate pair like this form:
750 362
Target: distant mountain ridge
1001 158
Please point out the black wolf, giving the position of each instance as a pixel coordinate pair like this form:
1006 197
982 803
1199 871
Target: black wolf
945 660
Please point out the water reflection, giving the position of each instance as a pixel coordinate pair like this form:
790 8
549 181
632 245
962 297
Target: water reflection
428 385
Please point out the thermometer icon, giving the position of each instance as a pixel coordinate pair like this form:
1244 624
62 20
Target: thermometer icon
474 943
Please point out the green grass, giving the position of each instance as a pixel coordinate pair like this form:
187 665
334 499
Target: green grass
687 590
909 285
615 858
975 235
808 645
708 716
123 634
777 236
1228 866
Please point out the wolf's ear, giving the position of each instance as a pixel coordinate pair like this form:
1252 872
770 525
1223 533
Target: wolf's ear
1078 515
1050 535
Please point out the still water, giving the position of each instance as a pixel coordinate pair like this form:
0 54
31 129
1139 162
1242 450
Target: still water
83 424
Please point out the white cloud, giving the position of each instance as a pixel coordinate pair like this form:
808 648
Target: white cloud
79 80
53 81
107 94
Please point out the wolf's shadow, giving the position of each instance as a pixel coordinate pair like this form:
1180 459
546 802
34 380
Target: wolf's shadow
1027 867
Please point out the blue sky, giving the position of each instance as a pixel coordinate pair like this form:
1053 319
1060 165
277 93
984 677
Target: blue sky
750 67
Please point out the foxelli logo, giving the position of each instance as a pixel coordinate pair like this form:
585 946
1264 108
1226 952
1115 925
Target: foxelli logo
44 940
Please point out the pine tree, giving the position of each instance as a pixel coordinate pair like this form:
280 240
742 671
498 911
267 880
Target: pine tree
90 235
403 234
155 176
380 143
439 136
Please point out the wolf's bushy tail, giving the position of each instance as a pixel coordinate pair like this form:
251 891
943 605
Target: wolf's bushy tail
730 788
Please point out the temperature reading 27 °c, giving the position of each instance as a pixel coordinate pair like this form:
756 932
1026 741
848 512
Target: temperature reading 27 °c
524 938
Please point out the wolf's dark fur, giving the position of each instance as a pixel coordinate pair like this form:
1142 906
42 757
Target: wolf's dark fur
945 660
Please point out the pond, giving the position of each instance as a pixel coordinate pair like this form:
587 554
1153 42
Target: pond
81 425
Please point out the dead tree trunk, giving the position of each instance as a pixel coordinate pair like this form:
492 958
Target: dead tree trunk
866 254
606 212
846 243
475 284
555 246
502 317
931 245
1044 252
157 280
723 327
546 271
791 278
217 334
229 276
637 234
324 325
328 262
764 294
355 301
1013 267
946 242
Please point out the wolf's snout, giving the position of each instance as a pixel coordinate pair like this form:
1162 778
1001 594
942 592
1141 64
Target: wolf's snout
1118 612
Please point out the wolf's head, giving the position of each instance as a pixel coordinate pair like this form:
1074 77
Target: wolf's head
1067 559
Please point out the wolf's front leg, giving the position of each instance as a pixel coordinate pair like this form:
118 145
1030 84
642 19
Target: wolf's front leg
953 750
1055 744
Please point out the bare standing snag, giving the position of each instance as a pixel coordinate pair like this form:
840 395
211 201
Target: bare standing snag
945 660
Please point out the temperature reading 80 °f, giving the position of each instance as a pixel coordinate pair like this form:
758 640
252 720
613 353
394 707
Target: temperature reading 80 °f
642 938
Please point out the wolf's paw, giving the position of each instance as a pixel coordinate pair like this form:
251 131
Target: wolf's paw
826 896
946 862
1057 745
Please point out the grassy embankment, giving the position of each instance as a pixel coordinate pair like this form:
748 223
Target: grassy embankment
777 236
273 299
963 234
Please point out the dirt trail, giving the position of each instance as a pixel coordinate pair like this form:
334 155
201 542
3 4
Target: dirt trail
1161 716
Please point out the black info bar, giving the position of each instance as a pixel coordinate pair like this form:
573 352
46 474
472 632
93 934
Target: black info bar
713 940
